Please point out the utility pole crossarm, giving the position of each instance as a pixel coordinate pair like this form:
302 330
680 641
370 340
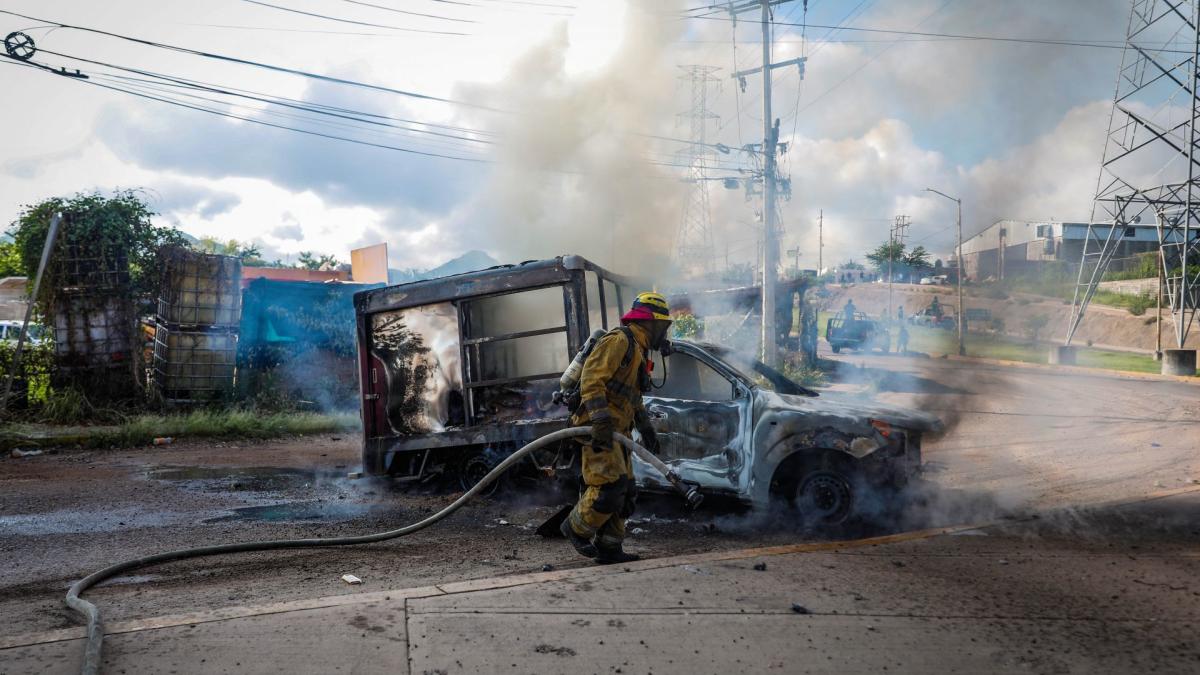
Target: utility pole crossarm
798 61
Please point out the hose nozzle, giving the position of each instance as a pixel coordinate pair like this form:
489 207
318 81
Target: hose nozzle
689 489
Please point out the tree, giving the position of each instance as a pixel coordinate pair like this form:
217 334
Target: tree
109 234
309 261
10 260
1035 324
887 251
917 259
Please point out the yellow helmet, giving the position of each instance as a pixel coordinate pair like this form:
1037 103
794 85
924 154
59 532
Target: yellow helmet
647 307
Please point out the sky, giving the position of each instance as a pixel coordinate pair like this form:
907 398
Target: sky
561 121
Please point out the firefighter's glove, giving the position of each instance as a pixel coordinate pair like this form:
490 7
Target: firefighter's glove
649 438
602 434
641 422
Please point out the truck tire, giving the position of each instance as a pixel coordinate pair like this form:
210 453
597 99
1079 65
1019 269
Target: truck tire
837 349
478 465
826 497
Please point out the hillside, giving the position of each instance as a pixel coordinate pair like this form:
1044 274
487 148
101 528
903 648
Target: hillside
1107 327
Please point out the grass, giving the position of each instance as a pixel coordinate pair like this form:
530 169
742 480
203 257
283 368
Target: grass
143 429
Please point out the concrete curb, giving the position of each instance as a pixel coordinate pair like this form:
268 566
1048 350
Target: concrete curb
511 581
1075 370
469 586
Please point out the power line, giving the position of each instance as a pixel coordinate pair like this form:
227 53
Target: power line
276 100
868 62
958 36
410 13
351 21
258 64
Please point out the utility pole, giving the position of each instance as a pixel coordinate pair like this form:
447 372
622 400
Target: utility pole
962 346
896 236
820 242
770 253
770 243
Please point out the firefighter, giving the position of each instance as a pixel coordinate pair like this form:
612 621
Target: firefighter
614 376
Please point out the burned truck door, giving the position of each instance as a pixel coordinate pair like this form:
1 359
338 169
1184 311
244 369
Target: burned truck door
700 415
414 379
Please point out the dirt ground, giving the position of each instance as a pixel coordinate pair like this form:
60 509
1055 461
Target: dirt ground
1105 327
1018 441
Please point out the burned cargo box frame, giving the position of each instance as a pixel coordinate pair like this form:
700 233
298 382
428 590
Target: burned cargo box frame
477 381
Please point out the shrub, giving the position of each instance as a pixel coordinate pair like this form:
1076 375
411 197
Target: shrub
1138 304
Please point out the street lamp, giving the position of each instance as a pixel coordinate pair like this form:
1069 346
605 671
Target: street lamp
962 350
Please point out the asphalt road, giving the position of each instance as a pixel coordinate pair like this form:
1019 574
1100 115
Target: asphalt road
1019 441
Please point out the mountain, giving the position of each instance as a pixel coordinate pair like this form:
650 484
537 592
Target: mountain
470 261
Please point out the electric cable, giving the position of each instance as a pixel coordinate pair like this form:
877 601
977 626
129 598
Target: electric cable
95 626
351 21
259 64
1098 44
408 12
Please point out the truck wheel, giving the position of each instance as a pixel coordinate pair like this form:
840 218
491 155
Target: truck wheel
825 497
476 467
837 349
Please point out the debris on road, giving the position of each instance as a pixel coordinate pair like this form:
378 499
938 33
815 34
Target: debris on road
18 453
164 440
354 475
547 567
799 609
760 567
351 579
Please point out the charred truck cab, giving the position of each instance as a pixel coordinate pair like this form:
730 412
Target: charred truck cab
458 372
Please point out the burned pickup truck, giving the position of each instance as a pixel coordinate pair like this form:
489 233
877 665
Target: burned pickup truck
458 372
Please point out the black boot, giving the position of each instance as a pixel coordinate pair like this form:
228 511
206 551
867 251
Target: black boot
612 556
586 548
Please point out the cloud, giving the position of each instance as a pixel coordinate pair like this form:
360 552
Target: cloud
184 141
173 197
291 231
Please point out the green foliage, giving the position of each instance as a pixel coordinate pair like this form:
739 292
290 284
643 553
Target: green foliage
917 259
1145 267
250 254
888 252
1138 304
804 375
114 232
1035 324
309 261
32 384
245 423
687 327
11 264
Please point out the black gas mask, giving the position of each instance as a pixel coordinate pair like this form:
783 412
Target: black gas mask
659 329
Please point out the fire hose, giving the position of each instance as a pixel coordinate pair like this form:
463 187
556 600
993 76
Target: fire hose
95 628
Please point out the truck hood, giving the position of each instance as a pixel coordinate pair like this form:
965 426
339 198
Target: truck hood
833 406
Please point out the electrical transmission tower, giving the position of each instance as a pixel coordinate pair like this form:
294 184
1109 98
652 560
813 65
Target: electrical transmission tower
694 251
1151 165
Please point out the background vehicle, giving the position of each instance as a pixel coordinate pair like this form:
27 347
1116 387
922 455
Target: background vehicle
862 332
458 372
10 329
931 319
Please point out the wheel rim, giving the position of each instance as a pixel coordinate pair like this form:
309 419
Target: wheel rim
825 497
473 471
